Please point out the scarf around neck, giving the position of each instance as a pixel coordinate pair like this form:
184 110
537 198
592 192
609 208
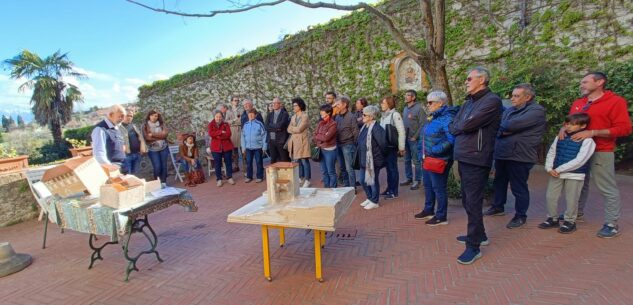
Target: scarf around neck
369 160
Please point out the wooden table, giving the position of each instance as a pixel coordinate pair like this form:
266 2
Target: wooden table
317 209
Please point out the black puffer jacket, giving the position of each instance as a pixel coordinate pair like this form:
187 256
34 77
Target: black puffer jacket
520 133
475 128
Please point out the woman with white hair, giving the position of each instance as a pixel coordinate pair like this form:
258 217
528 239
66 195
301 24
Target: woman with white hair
436 152
371 153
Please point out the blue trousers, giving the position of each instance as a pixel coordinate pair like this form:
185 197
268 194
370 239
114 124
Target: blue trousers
393 176
435 191
257 155
516 174
328 170
346 158
131 163
159 161
304 168
227 156
411 157
372 191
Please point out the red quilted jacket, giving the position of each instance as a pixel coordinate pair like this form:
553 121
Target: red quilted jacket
220 137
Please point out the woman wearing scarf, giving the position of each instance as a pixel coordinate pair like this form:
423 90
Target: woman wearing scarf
436 142
155 134
325 138
221 147
189 158
371 148
299 144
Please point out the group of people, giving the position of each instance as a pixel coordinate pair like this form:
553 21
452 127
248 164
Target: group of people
353 145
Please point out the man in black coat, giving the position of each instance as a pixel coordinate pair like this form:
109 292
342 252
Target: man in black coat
519 136
475 128
277 126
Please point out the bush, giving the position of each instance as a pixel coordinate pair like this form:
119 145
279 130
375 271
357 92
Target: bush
82 133
49 153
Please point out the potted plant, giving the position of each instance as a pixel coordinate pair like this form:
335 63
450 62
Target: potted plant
10 161
79 147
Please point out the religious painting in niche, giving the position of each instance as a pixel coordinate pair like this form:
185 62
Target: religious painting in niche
409 74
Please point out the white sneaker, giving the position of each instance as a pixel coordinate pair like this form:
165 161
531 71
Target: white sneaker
364 203
231 181
371 205
306 183
219 184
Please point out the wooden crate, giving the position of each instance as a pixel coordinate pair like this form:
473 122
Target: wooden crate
76 175
123 194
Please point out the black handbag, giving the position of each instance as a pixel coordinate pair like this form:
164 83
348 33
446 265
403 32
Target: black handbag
392 134
356 161
316 154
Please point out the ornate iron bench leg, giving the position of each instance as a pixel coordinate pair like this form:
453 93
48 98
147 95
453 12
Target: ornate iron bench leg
96 251
137 227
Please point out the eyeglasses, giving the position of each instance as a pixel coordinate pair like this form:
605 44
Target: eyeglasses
468 79
586 106
429 103
366 115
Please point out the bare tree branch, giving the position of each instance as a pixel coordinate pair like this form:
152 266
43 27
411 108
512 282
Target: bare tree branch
211 13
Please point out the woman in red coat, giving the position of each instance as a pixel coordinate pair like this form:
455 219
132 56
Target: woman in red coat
221 147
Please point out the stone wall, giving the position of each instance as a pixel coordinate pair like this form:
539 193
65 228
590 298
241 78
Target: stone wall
17 203
352 55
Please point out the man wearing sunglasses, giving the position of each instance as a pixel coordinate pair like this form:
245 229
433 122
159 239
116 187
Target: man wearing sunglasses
609 119
475 128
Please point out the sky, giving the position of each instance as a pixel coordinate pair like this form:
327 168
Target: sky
121 46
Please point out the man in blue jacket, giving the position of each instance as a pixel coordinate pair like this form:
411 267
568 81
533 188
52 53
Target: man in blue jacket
519 136
475 128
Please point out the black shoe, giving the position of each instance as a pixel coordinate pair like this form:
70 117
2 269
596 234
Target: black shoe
469 256
549 223
492 211
385 193
579 218
567 227
390 196
424 215
358 183
516 222
408 182
436 222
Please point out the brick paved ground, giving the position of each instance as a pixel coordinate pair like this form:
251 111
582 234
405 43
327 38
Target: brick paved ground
393 260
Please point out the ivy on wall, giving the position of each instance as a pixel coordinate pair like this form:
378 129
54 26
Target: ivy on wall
550 44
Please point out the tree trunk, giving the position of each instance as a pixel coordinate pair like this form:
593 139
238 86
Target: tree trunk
56 131
441 82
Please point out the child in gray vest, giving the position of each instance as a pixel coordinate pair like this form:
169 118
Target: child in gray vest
567 164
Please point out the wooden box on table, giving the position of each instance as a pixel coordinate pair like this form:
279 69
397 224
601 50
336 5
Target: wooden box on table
76 175
123 192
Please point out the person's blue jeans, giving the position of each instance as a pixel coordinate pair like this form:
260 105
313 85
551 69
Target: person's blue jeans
186 165
372 191
257 155
159 161
393 176
435 191
131 163
516 174
328 170
304 168
227 156
411 156
346 159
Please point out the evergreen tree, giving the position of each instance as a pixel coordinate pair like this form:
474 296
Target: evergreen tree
20 122
5 123
12 124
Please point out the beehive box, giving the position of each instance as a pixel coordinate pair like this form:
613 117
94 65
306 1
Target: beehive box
76 175
124 193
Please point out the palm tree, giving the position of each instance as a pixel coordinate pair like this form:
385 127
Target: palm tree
52 98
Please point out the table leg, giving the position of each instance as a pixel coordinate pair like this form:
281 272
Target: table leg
322 239
266 253
282 236
45 229
96 251
317 254
137 227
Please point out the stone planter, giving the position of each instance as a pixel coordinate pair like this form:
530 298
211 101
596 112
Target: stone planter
81 151
15 164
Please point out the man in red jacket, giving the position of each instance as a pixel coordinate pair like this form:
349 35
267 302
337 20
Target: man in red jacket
609 120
